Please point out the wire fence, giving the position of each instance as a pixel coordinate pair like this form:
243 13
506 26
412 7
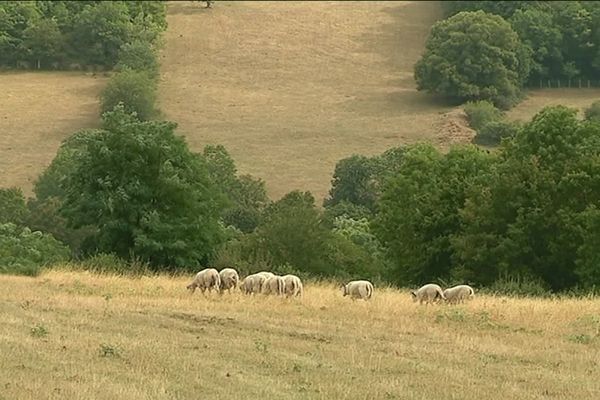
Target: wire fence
565 83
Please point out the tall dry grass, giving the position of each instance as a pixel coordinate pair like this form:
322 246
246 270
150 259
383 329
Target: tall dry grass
75 335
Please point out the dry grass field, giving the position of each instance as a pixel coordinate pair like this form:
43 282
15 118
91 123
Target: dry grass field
37 111
539 98
289 88
74 335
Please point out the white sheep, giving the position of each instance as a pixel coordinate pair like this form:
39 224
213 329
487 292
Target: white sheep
266 275
459 294
293 286
428 293
358 290
252 284
273 285
206 279
229 279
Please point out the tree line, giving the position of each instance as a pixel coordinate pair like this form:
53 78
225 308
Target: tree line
489 50
75 34
132 191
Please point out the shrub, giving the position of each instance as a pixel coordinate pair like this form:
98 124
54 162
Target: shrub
474 56
135 90
138 56
24 252
493 133
12 206
105 263
480 113
593 112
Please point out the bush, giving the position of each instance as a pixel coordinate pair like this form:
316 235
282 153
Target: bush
24 252
138 56
480 113
105 263
593 112
474 56
12 206
493 133
135 90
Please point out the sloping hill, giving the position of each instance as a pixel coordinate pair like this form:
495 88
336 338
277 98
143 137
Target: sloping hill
292 87
37 111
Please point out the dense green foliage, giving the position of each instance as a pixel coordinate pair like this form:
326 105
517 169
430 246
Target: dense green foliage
489 123
70 34
147 196
420 209
593 112
494 132
527 213
13 208
23 252
246 195
480 113
136 90
474 56
563 37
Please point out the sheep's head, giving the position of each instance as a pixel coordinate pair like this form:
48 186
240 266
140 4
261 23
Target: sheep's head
414 295
344 290
191 287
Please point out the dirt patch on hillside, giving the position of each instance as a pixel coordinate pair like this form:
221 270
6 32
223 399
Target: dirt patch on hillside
454 129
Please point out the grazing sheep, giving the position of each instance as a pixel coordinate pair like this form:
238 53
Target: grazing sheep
358 290
293 286
266 275
458 294
229 279
252 284
428 293
206 279
273 285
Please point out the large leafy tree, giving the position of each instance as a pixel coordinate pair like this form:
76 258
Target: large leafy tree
538 32
419 209
292 233
145 193
474 56
246 195
535 218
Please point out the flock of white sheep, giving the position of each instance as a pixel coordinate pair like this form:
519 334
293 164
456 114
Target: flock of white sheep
291 286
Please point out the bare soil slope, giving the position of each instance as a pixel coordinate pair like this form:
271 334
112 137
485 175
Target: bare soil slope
290 88
37 111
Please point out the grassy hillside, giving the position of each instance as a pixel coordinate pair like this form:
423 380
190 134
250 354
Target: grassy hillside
289 87
37 111
79 336
292 87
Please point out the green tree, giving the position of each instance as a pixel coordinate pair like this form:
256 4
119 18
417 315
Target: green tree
15 17
543 37
24 252
474 56
246 195
147 195
43 42
419 210
593 112
526 221
292 233
99 31
353 182
136 90
138 56
13 208
503 8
